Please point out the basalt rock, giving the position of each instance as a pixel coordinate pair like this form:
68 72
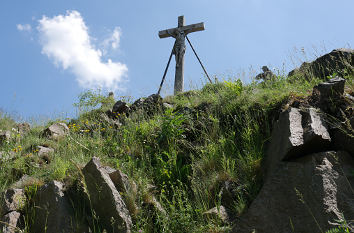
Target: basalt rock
340 61
266 75
122 182
54 213
296 133
305 195
328 95
56 131
43 151
150 105
343 140
120 107
12 200
13 223
126 187
106 200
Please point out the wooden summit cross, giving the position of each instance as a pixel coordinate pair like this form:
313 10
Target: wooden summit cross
180 33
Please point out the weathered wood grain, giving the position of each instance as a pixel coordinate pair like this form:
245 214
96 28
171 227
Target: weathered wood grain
187 29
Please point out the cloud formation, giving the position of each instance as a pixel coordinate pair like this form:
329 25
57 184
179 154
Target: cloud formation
24 27
65 40
114 40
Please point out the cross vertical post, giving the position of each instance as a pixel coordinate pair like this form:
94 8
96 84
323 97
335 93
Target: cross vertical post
179 48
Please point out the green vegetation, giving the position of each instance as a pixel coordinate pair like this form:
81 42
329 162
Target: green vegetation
180 156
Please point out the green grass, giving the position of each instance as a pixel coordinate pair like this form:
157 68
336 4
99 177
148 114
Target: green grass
211 135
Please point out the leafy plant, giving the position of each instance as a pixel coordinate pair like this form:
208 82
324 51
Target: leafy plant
235 87
91 99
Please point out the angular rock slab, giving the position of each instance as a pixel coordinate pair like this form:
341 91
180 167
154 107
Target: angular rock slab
328 96
343 140
296 133
125 187
337 61
54 213
120 107
105 199
318 184
149 105
13 200
122 182
42 150
56 131
332 88
13 221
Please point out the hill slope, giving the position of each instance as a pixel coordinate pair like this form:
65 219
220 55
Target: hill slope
161 165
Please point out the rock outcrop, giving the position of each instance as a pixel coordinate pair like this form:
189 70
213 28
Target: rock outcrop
308 185
56 131
266 75
296 133
304 195
54 213
328 96
105 199
12 202
120 107
149 105
43 150
12 221
340 61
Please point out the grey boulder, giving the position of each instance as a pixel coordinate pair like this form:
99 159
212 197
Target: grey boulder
120 107
12 221
106 201
306 195
54 213
296 133
56 131
42 150
13 200
339 61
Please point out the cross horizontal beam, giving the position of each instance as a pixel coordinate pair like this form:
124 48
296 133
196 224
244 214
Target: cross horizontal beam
187 29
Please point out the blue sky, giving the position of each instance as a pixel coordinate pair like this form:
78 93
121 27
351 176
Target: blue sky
51 51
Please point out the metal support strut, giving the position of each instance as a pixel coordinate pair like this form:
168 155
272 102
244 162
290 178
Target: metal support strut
166 69
200 62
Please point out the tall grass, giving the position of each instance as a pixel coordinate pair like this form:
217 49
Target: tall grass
180 157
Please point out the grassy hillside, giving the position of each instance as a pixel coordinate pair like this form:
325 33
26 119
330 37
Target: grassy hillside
182 156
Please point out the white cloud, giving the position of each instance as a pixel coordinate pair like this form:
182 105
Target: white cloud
65 39
24 27
114 40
